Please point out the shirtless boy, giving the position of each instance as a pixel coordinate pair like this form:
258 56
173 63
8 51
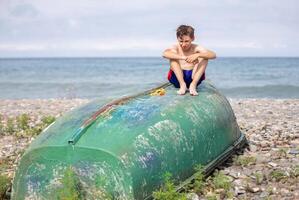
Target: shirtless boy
188 61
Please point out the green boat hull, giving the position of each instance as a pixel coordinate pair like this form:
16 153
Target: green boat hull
121 149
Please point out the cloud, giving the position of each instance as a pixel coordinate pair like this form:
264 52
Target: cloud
86 45
22 47
115 25
73 23
238 45
24 10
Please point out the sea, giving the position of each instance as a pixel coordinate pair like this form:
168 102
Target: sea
68 78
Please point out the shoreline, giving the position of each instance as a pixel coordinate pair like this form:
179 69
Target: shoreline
270 125
57 107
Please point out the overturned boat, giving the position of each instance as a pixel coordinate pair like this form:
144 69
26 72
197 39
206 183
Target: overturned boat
121 149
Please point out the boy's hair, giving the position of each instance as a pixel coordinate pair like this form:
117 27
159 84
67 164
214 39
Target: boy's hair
185 30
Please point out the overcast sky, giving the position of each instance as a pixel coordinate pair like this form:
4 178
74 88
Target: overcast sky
34 28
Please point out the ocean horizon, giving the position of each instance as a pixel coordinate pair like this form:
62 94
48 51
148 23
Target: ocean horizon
99 57
112 77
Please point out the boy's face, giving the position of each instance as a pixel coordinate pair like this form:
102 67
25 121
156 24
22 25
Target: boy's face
185 42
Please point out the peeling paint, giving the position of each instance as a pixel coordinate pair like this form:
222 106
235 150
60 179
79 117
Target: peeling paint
136 142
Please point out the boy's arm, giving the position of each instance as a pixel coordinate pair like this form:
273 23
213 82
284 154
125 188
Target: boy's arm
201 52
172 54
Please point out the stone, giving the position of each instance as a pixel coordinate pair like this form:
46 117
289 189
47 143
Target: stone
255 189
261 159
294 151
239 190
192 196
238 182
220 190
264 194
272 164
295 143
234 174
284 191
253 148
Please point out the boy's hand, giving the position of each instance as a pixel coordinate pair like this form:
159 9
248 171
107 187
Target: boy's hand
192 58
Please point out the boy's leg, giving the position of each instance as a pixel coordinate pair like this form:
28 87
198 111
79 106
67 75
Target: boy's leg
196 75
176 68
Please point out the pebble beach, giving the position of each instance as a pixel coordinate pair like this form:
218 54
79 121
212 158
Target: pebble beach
267 169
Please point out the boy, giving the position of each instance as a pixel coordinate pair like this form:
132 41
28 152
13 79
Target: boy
188 61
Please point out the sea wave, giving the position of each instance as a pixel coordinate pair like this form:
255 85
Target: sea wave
42 90
267 91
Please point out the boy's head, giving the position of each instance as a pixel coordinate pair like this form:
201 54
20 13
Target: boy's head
185 30
185 36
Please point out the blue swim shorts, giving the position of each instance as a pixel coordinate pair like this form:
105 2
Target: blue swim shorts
187 78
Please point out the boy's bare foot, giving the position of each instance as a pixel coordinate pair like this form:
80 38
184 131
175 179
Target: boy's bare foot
192 90
182 90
